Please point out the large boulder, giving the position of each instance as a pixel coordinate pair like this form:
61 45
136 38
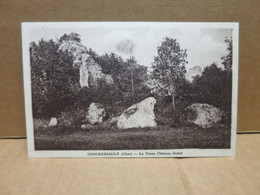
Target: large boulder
206 115
96 114
138 115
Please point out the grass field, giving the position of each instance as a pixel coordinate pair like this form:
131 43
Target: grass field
99 138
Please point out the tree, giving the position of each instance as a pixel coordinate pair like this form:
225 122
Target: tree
128 47
52 73
169 66
213 87
132 63
227 60
110 63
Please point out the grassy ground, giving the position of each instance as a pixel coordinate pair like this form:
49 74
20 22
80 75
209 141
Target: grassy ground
100 138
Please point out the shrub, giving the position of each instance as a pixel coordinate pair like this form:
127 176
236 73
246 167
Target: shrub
72 116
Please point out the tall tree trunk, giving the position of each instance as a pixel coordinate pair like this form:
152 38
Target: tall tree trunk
172 88
173 104
132 84
173 101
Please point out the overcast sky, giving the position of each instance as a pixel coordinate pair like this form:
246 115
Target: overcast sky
204 46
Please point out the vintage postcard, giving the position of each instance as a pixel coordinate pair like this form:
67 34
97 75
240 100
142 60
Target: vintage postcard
130 89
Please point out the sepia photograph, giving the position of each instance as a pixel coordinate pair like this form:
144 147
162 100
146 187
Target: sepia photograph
130 89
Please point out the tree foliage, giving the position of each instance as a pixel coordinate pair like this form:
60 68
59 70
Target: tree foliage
52 76
227 60
169 66
213 87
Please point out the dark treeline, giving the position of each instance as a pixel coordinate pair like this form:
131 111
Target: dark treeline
56 88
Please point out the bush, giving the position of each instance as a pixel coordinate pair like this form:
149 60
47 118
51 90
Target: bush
179 117
163 110
72 116
183 117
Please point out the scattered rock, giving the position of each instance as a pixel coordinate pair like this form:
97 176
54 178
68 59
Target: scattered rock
53 122
96 114
86 126
38 123
138 115
206 115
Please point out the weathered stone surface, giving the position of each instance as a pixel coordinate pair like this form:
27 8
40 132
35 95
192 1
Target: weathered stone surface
90 72
53 122
83 72
96 114
138 115
86 126
206 115
114 120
